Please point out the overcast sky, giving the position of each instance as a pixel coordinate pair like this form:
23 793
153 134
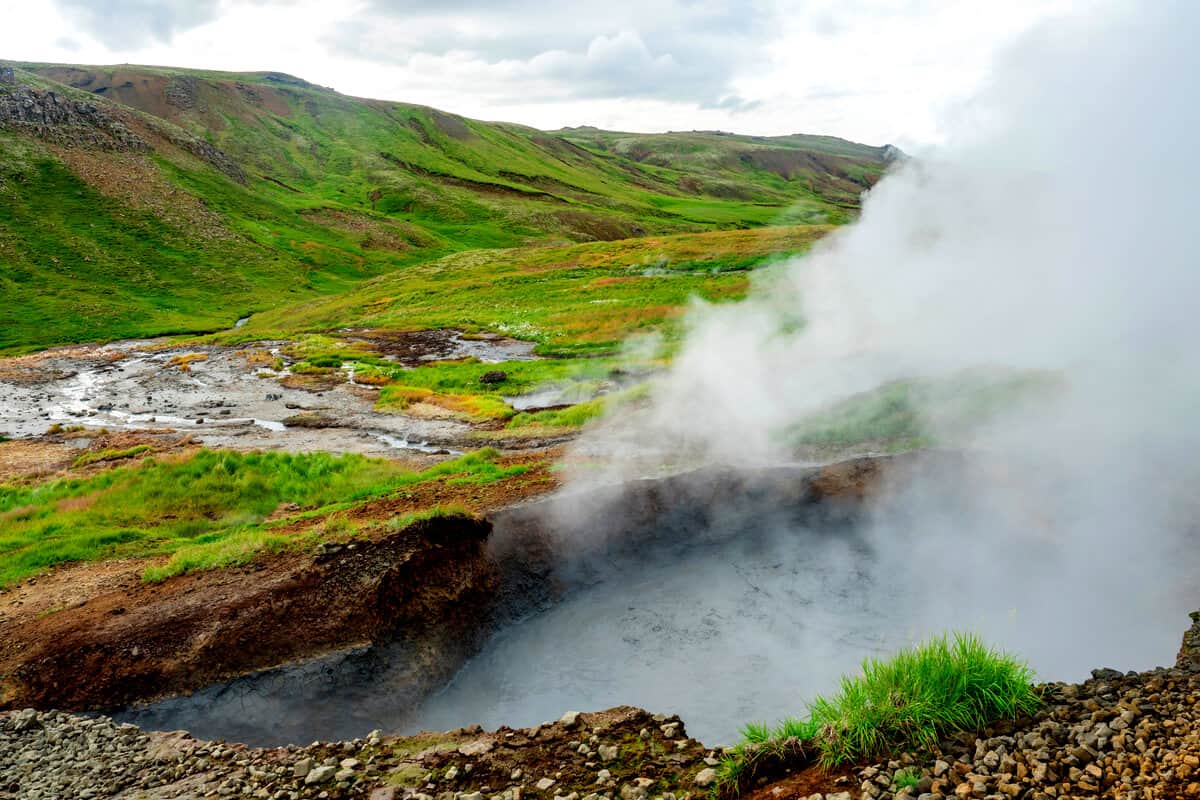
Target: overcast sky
874 71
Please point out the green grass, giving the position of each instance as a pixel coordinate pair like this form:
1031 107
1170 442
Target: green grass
246 544
577 300
110 455
213 503
905 703
909 414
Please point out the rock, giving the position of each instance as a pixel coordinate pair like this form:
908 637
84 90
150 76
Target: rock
302 767
608 752
321 774
631 792
705 777
26 719
494 376
343 775
544 784
476 748
571 718
838 796
940 768
470 796
452 773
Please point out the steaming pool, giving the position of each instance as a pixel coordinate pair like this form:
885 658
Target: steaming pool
722 605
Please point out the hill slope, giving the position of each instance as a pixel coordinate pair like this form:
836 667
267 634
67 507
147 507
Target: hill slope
141 200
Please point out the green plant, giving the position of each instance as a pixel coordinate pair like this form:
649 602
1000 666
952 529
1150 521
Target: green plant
907 778
944 685
110 455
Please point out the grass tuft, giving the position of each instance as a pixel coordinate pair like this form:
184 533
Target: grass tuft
908 702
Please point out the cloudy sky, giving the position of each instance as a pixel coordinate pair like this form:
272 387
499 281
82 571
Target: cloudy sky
874 71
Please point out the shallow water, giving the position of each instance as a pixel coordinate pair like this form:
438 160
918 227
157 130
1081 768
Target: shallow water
224 400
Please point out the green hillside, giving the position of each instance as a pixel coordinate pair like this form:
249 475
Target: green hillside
147 200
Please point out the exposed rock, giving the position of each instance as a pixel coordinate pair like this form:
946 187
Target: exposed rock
705 777
55 117
320 774
494 376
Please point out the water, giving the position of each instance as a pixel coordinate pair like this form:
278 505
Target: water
744 629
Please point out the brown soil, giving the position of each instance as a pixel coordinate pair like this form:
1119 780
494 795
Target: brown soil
811 780
137 640
141 640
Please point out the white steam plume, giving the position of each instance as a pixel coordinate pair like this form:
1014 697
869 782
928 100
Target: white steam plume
1056 230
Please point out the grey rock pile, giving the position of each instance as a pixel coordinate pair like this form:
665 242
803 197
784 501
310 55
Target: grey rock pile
1127 736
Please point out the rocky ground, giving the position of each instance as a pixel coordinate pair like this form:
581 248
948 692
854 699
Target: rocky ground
1134 735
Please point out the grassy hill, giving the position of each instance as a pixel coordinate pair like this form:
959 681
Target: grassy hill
145 200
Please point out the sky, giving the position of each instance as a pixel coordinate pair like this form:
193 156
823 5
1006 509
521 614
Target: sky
874 71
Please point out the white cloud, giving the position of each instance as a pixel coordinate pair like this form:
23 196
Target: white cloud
869 70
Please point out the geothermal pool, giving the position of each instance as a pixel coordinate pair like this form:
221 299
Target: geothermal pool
724 599
718 633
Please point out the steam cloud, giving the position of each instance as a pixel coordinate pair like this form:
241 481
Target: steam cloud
1054 231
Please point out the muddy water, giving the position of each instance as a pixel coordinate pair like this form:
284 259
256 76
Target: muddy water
702 632
228 399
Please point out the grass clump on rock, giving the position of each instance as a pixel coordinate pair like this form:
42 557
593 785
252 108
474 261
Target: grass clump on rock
922 693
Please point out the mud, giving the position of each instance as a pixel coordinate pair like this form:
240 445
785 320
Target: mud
639 628
231 397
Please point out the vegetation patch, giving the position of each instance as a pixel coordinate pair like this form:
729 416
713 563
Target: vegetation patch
908 702
909 414
110 455
215 503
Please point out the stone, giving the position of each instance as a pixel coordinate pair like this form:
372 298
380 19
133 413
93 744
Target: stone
705 777
571 718
544 784
321 774
631 792
494 376
350 763
343 775
940 768
476 748
452 773
470 796
608 752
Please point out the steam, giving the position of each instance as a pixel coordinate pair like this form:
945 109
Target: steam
1054 231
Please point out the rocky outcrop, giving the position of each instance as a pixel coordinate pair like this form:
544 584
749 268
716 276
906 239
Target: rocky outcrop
1189 651
207 153
57 118
64 120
